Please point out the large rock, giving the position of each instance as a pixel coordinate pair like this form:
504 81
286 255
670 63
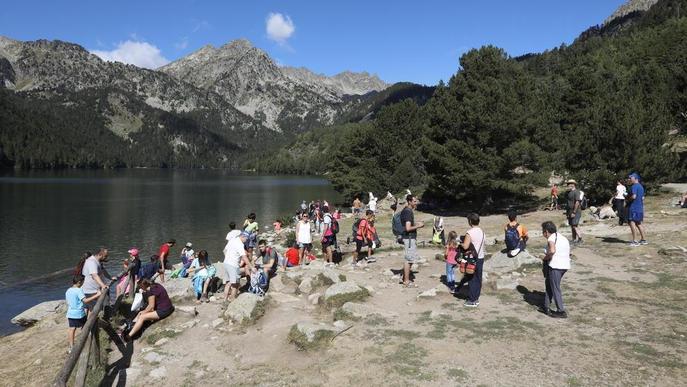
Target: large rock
178 288
246 308
506 283
306 286
39 312
310 335
343 292
501 263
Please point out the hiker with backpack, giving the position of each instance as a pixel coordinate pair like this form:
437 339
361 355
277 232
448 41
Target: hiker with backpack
473 243
331 228
409 237
364 237
515 235
556 264
574 210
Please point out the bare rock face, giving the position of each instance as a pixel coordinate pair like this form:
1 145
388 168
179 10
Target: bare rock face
39 312
246 308
629 7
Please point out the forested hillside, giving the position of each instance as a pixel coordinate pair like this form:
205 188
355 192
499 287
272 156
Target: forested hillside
594 110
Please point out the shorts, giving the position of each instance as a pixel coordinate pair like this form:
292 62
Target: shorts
360 243
410 247
306 246
328 241
574 221
164 313
91 304
636 216
77 322
232 273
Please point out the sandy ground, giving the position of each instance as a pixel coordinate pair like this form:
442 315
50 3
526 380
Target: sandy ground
627 325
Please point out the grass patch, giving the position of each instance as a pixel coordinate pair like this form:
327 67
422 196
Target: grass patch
160 334
340 299
375 320
383 336
649 355
340 314
407 361
457 374
321 339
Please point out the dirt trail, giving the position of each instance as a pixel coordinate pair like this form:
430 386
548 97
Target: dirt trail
627 306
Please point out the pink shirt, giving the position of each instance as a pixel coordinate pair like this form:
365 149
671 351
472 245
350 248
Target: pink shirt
451 256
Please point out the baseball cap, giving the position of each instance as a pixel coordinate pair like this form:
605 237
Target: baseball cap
189 244
133 251
635 175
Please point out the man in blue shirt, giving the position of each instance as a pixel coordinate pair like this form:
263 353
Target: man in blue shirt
636 210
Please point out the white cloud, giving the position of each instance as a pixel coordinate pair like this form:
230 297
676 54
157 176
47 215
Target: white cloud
182 43
137 53
279 27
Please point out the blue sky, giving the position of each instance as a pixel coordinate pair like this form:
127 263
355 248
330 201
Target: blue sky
418 41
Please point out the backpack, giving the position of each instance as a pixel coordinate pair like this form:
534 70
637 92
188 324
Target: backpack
148 270
334 225
355 227
258 283
396 225
512 237
584 203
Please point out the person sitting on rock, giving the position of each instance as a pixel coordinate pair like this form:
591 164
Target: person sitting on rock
267 258
202 271
159 306
76 310
515 235
292 255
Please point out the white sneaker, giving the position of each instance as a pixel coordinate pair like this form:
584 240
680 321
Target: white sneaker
634 244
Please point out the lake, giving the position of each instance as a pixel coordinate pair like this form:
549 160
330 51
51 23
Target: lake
48 218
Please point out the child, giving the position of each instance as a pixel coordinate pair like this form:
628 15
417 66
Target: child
131 266
76 312
451 263
277 226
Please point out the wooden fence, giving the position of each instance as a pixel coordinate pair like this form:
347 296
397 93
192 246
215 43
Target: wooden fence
86 352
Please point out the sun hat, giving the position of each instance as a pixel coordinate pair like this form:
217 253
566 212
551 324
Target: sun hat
189 244
571 181
133 251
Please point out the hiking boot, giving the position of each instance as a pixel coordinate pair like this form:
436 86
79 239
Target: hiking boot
471 304
634 244
643 242
559 314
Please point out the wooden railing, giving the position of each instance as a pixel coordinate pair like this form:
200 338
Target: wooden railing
86 351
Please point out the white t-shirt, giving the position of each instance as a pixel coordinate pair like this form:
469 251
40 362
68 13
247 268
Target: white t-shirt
620 192
561 258
91 266
188 253
233 234
233 252
373 205
477 238
304 233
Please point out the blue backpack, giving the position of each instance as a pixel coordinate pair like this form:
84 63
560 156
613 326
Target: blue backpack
396 225
512 237
258 283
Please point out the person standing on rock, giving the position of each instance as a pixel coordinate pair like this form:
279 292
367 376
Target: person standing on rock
92 271
250 225
328 235
164 257
234 257
556 263
574 210
474 239
303 237
409 237
636 210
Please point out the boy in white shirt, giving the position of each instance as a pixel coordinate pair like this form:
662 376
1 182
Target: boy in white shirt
556 264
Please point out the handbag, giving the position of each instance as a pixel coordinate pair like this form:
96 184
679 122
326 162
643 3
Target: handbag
138 301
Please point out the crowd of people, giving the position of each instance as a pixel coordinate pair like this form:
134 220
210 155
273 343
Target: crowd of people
463 252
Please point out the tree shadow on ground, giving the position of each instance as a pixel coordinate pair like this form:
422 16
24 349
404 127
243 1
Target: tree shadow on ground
534 298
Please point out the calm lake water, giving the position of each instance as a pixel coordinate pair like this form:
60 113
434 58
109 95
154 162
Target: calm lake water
48 218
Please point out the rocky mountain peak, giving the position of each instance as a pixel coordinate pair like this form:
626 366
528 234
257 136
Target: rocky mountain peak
629 7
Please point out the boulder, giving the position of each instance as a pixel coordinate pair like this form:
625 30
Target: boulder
343 292
246 308
39 312
506 283
314 298
159 373
310 335
178 288
306 285
501 263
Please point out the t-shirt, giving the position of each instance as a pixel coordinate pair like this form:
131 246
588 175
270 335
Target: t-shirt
373 205
292 256
554 191
363 230
233 234
637 205
407 215
134 266
91 266
270 254
477 239
233 252
149 269
162 301
252 227
451 256
304 232
573 196
327 224
561 258
75 307
620 192
164 249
